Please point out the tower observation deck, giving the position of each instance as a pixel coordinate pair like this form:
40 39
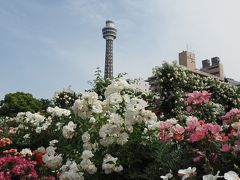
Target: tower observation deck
109 33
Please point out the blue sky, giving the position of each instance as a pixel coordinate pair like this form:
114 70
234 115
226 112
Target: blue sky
46 45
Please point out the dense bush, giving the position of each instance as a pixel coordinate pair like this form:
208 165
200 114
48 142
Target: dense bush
14 103
173 82
113 134
65 98
108 128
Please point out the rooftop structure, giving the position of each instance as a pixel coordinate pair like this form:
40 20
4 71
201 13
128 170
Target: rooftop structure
187 59
232 81
213 69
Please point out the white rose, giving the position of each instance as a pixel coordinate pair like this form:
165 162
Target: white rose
85 137
26 151
68 130
86 154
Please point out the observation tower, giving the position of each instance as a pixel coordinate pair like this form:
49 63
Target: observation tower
109 33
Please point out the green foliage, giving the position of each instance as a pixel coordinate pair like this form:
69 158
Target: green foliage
45 104
14 103
65 98
99 84
173 82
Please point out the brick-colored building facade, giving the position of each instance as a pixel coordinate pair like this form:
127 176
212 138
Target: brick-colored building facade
213 69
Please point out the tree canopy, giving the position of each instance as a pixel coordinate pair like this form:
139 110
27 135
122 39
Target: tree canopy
14 103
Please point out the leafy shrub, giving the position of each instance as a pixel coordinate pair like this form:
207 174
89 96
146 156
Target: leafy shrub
14 103
172 82
65 98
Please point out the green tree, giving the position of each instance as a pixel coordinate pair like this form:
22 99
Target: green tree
45 104
14 103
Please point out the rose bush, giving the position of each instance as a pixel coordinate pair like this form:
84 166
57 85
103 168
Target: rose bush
116 134
94 138
172 82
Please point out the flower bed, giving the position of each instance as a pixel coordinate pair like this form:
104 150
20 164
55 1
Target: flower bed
115 135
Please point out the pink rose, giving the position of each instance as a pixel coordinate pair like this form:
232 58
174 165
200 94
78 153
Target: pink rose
225 148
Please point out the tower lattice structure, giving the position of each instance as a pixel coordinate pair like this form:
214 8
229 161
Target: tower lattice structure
109 33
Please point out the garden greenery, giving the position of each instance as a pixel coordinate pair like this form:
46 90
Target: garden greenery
118 130
172 82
